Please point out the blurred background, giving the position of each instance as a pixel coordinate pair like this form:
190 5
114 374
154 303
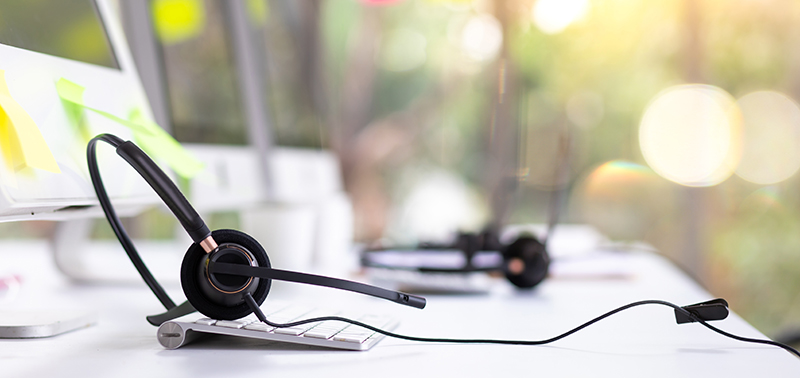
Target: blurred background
446 116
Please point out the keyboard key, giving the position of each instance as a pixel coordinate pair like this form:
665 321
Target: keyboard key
205 321
323 332
353 337
236 324
294 331
288 314
301 329
258 326
356 334
326 329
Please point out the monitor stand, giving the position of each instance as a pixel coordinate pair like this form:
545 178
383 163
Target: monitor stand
94 261
29 324
28 317
104 261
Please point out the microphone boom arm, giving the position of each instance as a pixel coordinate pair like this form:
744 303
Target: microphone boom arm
312 279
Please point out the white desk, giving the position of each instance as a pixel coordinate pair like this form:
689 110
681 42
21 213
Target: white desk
642 342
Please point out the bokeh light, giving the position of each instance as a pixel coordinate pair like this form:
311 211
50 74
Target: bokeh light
691 134
553 16
617 198
760 202
178 20
482 37
438 204
771 137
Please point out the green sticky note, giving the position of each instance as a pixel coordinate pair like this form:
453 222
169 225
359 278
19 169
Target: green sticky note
72 93
22 143
162 145
71 97
148 135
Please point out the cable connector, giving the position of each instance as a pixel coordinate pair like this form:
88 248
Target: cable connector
715 309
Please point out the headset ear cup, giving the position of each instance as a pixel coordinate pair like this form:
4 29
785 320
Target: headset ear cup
526 262
190 277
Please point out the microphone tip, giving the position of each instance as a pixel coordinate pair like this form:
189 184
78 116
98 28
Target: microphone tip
414 301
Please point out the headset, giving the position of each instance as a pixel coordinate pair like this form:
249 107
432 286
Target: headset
226 274
221 266
525 262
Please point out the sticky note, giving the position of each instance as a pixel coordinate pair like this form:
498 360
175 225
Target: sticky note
74 111
148 135
5 148
162 145
72 94
21 142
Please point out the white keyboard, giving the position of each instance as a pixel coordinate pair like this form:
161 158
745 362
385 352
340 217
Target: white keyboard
331 334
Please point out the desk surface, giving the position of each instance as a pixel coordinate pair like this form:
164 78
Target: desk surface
644 341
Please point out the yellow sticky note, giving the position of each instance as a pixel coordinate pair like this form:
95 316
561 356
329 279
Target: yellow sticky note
148 135
5 148
22 143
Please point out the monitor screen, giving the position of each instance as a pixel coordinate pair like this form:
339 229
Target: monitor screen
204 100
69 29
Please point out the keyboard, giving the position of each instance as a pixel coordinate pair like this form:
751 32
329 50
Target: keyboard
330 334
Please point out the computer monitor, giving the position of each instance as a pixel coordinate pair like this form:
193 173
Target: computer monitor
196 89
80 41
291 199
194 63
43 138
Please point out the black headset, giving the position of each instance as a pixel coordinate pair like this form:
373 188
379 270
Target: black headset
222 267
226 274
524 262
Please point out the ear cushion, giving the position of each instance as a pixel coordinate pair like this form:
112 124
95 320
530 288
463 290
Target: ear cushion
534 258
189 276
